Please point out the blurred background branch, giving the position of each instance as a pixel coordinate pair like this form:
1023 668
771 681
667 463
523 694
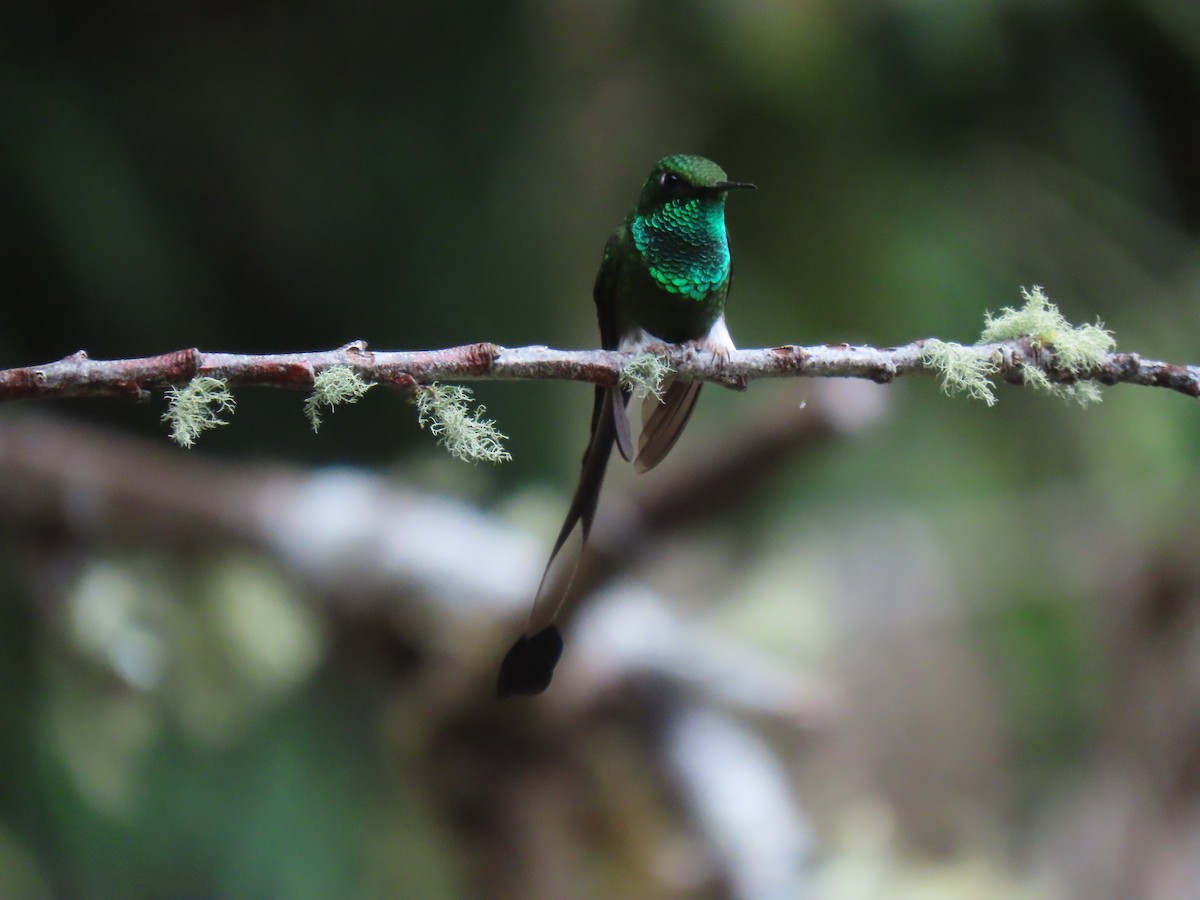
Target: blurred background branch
442 588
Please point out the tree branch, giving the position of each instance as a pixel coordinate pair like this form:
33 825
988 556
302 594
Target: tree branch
79 376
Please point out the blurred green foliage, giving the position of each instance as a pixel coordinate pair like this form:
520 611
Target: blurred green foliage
273 177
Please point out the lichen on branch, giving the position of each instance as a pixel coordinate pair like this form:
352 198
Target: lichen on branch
331 388
1075 349
645 375
196 407
445 409
963 369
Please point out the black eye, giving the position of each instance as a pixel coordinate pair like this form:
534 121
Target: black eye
669 179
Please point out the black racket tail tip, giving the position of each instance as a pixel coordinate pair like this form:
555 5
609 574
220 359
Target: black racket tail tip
528 666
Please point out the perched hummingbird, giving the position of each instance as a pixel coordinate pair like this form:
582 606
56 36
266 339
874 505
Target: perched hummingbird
664 278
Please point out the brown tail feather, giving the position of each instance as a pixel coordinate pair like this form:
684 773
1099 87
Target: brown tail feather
618 399
664 422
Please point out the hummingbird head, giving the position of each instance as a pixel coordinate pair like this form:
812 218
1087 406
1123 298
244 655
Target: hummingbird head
685 178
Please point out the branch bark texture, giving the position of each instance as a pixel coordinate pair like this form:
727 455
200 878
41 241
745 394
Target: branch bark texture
78 375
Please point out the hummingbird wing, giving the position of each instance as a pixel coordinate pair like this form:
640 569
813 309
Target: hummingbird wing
529 664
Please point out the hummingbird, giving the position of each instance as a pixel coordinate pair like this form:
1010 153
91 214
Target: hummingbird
664 279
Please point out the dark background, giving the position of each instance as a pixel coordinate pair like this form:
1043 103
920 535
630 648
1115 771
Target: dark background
998 603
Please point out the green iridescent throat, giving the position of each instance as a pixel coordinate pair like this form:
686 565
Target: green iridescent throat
684 245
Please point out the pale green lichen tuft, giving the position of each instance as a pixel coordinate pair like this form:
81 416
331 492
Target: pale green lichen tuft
645 375
331 388
1084 392
1076 347
445 409
963 370
196 407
